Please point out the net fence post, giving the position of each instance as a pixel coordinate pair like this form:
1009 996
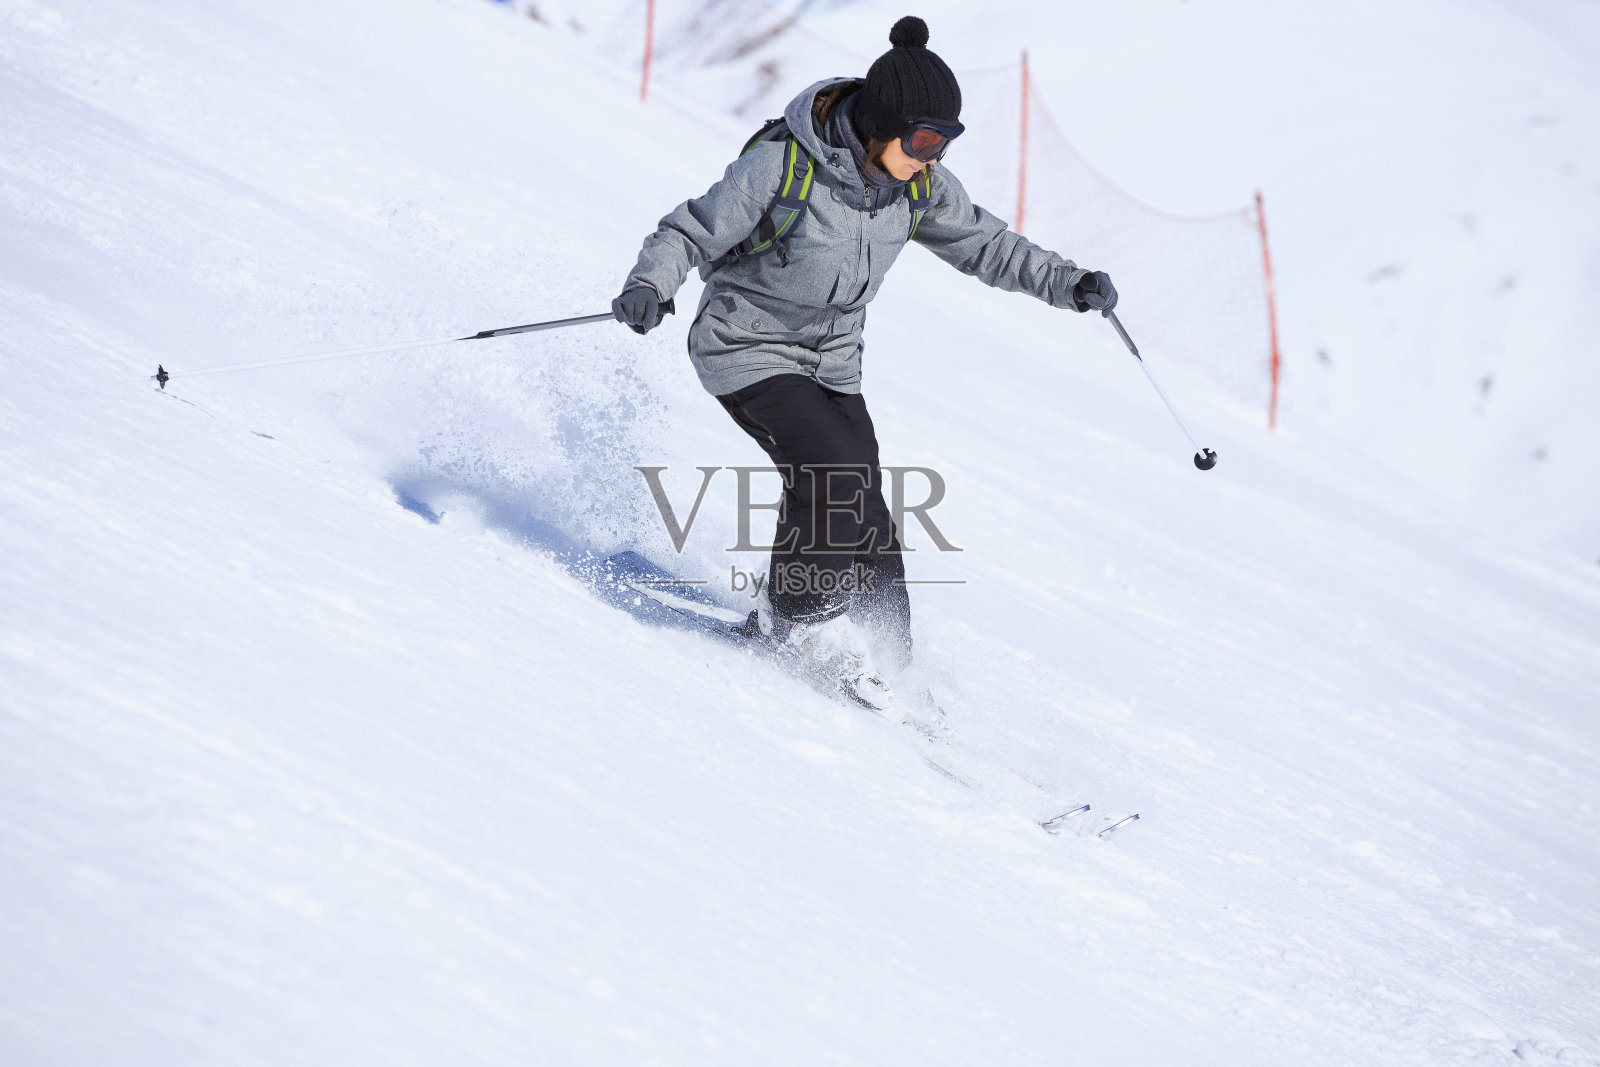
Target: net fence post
1272 310
1022 150
649 41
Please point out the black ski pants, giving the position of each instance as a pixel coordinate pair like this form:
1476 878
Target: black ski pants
836 547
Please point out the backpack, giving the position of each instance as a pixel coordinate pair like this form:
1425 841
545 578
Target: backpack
790 206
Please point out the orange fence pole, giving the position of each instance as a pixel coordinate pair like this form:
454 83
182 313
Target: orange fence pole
1272 310
649 38
1022 161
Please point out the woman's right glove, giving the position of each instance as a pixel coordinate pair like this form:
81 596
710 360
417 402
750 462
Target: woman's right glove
640 309
1094 292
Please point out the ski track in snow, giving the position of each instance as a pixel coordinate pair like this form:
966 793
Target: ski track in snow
290 772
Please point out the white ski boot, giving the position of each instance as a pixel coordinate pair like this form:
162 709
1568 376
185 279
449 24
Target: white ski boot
837 649
766 621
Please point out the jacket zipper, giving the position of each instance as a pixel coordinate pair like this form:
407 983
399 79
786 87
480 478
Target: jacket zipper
861 243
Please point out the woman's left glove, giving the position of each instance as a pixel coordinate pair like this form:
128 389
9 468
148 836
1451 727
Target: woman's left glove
1094 292
640 309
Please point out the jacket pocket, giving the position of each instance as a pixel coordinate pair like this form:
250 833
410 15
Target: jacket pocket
763 436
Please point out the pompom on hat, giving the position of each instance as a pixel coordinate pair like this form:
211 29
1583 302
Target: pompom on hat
907 82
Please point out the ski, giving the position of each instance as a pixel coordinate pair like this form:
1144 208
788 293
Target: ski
1060 822
1057 824
629 581
694 608
1119 824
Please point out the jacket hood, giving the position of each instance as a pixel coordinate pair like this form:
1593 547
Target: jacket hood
798 116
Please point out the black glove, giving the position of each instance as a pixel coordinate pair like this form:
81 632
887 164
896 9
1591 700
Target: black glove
640 309
1094 292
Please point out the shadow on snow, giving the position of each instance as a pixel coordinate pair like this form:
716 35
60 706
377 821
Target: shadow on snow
607 575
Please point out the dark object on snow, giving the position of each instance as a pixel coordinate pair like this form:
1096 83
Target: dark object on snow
162 377
1204 458
907 83
640 309
1094 292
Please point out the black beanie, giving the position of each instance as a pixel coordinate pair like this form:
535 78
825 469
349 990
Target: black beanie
907 82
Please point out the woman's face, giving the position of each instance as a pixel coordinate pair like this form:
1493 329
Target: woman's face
898 163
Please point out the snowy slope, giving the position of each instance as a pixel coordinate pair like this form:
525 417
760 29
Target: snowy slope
290 774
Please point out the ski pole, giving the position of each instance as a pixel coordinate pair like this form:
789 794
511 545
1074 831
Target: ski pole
162 375
1204 458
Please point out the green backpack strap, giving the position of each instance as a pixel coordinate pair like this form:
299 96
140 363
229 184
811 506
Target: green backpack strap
921 193
789 207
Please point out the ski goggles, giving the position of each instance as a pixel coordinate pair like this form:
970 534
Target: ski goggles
927 141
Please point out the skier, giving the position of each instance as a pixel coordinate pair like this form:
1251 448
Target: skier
793 243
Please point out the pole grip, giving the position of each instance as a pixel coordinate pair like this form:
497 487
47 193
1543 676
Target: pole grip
1116 322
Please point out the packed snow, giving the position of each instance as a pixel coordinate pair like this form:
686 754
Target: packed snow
315 747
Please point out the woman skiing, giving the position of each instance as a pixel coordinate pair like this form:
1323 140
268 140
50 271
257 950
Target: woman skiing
793 243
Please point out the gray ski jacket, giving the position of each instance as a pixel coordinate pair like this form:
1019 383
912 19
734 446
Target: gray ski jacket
802 310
